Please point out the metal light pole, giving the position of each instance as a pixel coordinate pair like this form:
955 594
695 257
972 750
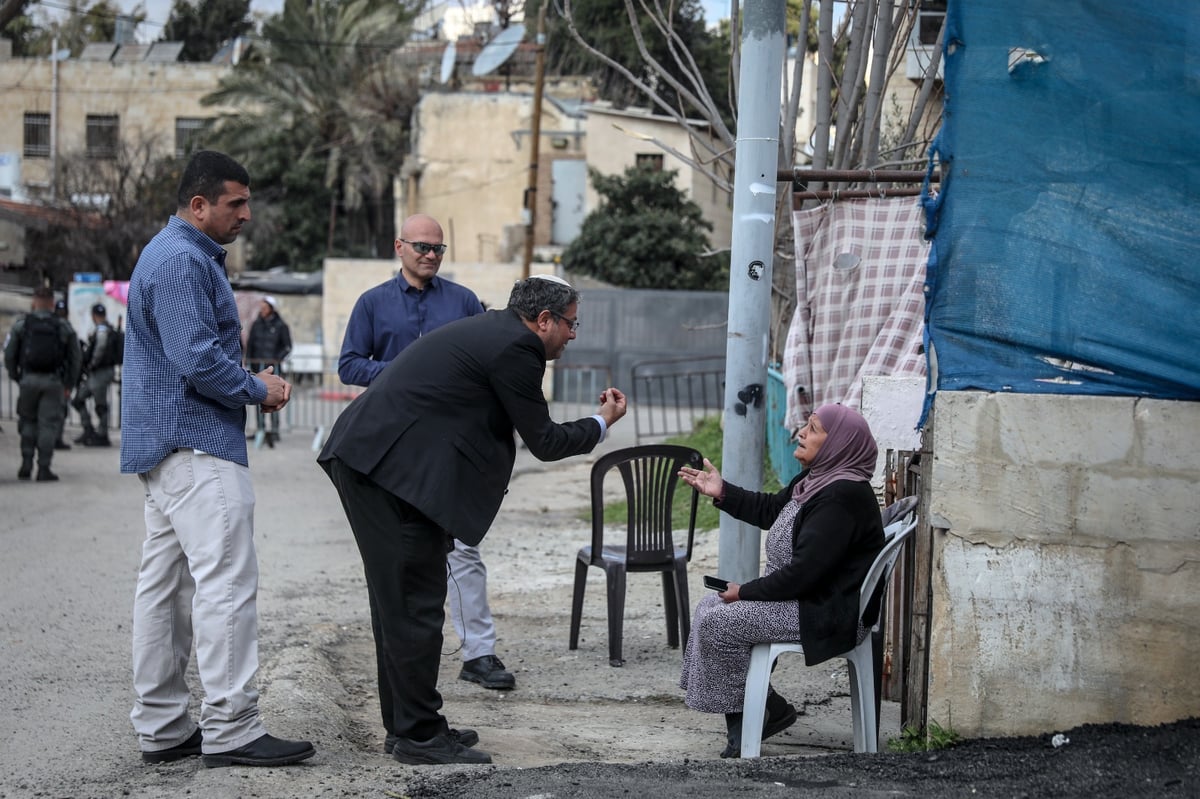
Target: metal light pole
757 164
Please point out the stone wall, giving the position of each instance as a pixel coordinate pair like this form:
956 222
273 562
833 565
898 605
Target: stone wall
146 97
1066 561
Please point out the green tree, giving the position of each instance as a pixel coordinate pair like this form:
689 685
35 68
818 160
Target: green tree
84 22
11 10
204 25
646 234
329 89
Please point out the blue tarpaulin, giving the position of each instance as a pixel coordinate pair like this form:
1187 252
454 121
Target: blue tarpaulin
1065 251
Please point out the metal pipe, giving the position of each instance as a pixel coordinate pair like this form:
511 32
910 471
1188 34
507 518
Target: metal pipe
799 175
855 194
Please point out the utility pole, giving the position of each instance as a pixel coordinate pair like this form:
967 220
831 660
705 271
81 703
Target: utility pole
757 164
54 59
535 139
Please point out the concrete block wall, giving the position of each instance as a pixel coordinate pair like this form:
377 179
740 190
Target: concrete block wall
1066 550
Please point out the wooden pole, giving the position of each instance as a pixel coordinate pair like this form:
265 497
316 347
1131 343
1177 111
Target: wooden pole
535 139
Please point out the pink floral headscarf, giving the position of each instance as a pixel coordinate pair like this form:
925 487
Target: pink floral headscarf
849 452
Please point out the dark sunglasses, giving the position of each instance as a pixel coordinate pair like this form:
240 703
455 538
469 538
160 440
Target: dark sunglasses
424 248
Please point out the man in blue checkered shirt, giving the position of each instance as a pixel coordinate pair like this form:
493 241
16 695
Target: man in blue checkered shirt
183 422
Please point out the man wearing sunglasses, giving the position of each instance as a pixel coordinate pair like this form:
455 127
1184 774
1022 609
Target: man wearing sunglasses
385 320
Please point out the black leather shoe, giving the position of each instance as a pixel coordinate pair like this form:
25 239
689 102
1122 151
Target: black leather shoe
97 441
777 724
264 751
177 752
45 475
60 445
436 751
83 439
25 472
467 738
489 672
772 725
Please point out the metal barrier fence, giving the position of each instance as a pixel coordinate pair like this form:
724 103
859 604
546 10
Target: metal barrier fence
10 389
666 397
577 388
669 396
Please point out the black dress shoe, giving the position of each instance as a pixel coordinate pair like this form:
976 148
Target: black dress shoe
60 445
489 672
439 750
467 738
264 751
177 752
45 475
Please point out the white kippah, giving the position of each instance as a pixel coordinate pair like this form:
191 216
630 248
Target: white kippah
552 279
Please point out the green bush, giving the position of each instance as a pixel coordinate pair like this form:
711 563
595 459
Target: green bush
646 234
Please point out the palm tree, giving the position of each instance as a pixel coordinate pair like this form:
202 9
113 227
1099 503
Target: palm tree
328 86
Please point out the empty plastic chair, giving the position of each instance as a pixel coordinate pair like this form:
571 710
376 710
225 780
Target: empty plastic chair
650 475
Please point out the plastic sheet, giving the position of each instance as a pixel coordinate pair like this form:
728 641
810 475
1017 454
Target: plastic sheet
1065 251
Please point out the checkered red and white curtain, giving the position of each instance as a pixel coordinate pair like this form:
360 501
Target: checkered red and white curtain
860 275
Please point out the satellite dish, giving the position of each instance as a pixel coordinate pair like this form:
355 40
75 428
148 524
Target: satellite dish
498 50
448 57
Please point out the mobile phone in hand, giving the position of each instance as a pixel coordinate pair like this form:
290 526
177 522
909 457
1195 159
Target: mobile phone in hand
715 583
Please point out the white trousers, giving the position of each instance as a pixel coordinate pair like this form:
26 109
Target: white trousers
199 576
466 587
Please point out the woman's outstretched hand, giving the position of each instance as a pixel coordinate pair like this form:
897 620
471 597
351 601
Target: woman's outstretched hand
707 482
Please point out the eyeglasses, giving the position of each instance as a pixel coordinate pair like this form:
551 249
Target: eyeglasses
573 324
424 248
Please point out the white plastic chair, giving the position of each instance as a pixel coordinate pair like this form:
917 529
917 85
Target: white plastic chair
859 659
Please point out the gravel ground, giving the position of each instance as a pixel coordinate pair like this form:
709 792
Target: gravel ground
574 727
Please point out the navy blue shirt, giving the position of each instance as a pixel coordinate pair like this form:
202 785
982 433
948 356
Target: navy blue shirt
183 384
392 315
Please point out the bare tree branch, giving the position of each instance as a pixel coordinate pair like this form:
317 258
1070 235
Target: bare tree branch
927 84
647 90
721 182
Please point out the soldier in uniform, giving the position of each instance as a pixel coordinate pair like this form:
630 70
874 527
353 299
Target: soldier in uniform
42 354
100 363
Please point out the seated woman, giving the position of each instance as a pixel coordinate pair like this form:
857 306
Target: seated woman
825 532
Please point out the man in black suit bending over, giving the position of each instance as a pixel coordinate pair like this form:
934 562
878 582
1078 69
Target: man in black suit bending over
424 456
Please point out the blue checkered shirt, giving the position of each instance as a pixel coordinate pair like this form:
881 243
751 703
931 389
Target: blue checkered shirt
182 383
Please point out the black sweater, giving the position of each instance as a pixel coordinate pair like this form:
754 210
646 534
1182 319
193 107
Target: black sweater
835 539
